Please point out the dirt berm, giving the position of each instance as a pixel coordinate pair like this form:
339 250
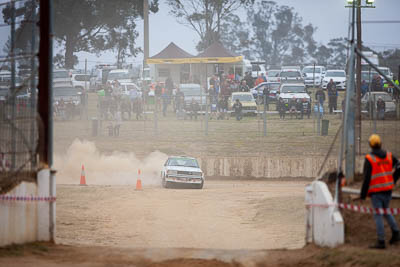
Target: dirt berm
45 254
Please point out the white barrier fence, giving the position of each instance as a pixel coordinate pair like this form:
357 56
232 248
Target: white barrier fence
27 213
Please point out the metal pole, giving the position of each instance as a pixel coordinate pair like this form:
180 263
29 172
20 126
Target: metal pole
155 114
350 121
33 84
85 96
146 32
45 108
206 108
348 124
206 117
374 114
358 88
13 88
314 76
265 115
319 116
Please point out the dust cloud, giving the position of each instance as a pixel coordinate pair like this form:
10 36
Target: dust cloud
118 168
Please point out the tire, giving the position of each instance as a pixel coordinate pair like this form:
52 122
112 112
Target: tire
199 186
164 183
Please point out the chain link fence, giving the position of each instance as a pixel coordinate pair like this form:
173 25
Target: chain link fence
18 117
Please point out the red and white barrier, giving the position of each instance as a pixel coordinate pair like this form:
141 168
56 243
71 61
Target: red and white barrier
27 198
361 209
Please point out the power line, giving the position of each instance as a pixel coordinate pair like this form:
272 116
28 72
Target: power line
380 21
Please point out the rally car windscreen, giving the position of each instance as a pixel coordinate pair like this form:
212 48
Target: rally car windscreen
183 162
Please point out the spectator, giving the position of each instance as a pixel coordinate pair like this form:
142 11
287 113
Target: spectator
249 80
237 108
307 107
364 88
292 107
214 107
222 107
320 96
281 108
157 94
194 109
378 184
300 108
165 100
376 85
264 77
332 96
244 87
259 79
380 108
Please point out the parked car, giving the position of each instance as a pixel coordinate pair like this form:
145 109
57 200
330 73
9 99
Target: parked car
66 101
249 105
193 91
182 170
372 97
61 77
273 75
126 87
338 77
258 91
290 76
368 76
313 75
387 72
294 91
79 81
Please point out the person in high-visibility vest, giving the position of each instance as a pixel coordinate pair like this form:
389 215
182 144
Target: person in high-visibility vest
378 184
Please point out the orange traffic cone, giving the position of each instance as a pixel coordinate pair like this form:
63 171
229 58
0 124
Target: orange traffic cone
139 181
83 177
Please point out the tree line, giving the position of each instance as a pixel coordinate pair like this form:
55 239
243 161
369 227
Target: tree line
259 30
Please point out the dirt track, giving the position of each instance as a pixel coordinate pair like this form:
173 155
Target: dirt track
224 215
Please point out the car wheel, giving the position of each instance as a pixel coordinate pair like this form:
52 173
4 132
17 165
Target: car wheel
164 183
199 186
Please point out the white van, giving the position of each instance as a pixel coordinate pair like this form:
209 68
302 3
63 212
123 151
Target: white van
121 75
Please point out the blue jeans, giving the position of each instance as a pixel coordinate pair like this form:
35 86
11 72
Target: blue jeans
382 200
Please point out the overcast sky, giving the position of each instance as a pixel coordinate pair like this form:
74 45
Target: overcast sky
329 16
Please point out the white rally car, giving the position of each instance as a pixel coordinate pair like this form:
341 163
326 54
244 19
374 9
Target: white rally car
182 170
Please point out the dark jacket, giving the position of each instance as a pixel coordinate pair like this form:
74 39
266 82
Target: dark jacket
368 169
331 88
237 107
321 95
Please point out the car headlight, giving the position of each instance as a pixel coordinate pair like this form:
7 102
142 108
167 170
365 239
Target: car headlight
172 172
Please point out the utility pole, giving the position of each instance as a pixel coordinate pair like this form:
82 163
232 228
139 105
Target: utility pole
45 83
146 31
13 88
358 75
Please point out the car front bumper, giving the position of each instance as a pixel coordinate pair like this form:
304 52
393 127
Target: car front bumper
183 180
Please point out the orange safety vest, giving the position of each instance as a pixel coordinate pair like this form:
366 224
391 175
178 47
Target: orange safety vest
381 174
